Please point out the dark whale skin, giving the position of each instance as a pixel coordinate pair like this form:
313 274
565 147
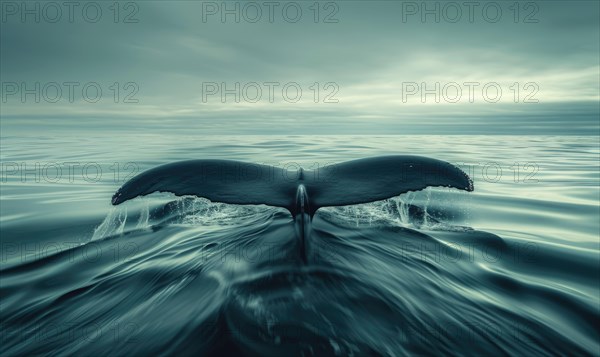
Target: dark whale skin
351 182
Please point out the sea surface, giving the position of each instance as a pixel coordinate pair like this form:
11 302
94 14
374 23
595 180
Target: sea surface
509 269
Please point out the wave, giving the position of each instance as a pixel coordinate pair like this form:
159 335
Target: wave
188 276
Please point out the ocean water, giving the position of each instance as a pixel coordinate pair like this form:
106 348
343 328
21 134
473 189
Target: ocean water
511 268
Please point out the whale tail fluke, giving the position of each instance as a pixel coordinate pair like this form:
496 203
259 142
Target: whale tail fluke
352 182
378 178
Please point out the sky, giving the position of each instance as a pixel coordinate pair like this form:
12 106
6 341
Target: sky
304 67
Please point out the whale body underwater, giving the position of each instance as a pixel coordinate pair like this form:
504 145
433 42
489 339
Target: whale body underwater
301 192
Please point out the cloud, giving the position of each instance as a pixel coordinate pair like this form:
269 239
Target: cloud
370 54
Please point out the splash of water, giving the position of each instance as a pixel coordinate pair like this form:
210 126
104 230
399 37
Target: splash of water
186 211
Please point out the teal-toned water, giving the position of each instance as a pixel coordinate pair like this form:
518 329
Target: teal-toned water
511 268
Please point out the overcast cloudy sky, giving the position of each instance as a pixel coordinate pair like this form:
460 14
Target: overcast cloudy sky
369 60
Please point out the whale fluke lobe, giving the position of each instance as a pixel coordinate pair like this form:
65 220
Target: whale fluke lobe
378 178
224 181
352 182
